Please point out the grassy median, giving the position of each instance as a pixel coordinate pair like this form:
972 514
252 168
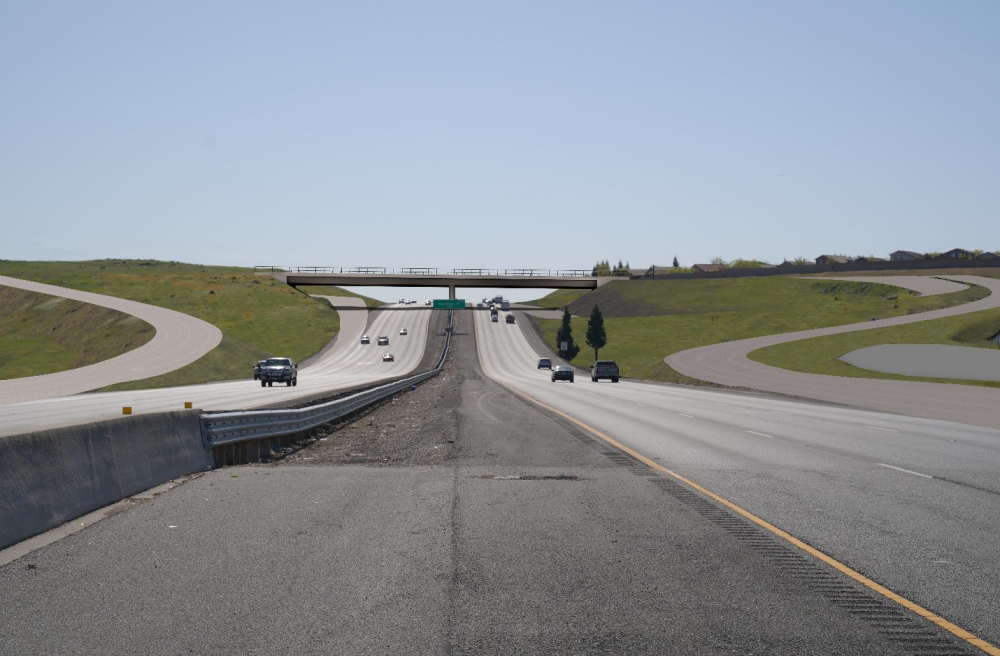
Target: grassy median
259 317
648 320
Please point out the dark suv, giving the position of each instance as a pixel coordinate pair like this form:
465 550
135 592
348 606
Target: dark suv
545 363
604 369
279 370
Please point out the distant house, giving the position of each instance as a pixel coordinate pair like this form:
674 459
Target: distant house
707 268
866 260
955 254
905 256
831 259
988 256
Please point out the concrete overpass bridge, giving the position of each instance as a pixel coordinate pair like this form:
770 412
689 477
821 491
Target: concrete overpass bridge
453 279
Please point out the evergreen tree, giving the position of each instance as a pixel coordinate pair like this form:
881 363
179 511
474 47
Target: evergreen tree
565 334
597 338
676 263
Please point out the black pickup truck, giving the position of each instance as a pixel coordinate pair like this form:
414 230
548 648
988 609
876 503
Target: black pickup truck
604 369
279 370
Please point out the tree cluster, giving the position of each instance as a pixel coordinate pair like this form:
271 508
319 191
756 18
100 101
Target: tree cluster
604 268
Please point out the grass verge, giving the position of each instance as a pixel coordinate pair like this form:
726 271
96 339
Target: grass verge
819 355
326 290
648 320
41 334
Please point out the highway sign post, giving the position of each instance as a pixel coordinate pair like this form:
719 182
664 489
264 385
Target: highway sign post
449 303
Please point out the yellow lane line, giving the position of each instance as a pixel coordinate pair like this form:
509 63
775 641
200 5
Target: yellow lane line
816 553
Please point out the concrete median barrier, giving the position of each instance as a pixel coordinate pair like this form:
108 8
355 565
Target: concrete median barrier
50 477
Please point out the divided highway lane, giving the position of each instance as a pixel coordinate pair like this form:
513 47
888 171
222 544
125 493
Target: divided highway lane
912 503
345 365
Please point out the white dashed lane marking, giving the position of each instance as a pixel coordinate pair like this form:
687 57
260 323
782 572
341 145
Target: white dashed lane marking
888 430
905 471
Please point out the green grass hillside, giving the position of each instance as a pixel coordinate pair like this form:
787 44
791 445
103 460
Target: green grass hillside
44 334
820 355
258 316
647 320
325 290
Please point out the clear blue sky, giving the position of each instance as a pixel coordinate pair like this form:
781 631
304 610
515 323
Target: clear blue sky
497 134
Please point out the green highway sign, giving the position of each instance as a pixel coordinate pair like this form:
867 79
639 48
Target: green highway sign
449 303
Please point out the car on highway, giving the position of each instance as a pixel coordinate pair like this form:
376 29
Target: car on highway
402 331
509 318
479 306
365 339
388 357
383 340
279 370
604 369
494 319
256 369
545 363
427 302
562 372
401 301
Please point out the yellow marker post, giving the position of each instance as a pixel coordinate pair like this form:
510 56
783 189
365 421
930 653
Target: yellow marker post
127 410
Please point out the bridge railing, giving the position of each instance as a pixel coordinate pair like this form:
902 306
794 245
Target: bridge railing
426 271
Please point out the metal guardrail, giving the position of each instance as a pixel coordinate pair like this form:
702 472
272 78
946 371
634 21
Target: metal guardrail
222 428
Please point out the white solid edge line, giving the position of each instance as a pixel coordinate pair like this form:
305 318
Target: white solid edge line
888 430
905 471
684 415
761 434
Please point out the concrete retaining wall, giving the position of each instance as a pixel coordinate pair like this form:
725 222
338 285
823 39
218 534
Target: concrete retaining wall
50 477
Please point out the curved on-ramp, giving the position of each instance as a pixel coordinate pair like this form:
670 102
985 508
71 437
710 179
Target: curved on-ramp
727 364
180 340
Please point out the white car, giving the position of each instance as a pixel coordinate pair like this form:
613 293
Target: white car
365 339
402 331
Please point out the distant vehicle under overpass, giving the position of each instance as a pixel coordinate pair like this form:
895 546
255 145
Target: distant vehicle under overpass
454 279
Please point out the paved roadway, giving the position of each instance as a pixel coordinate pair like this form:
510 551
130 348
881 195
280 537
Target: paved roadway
912 503
180 340
928 360
727 364
531 539
347 364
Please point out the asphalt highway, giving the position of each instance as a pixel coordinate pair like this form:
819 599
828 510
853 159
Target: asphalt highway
912 503
180 340
347 364
532 537
727 364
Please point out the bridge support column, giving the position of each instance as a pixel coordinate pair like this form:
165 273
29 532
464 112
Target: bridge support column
451 292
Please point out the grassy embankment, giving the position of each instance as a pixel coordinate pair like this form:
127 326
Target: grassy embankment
45 334
647 320
820 354
259 317
324 290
